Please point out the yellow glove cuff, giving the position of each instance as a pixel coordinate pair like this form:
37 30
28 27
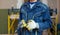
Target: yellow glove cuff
24 23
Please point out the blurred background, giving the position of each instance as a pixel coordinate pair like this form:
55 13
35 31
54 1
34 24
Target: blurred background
11 7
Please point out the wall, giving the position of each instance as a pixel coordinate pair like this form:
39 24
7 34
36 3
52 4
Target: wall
6 4
58 7
52 3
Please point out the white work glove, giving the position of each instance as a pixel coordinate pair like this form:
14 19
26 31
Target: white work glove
32 25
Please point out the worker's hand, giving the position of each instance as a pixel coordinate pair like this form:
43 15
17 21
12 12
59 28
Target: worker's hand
32 25
23 23
37 25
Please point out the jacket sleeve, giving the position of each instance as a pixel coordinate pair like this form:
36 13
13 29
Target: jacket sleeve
22 13
46 20
21 16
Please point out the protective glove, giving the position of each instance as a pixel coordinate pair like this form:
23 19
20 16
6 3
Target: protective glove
21 25
37 25
24 24
32 25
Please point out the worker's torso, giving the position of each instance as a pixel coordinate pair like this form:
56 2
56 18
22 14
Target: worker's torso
34 13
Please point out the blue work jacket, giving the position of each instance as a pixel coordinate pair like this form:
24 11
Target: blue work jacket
39 13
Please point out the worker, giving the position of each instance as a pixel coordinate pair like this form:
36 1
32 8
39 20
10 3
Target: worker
38 12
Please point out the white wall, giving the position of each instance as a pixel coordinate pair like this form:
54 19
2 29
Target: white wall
6 4
58 10
45 2
19 3
52 3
